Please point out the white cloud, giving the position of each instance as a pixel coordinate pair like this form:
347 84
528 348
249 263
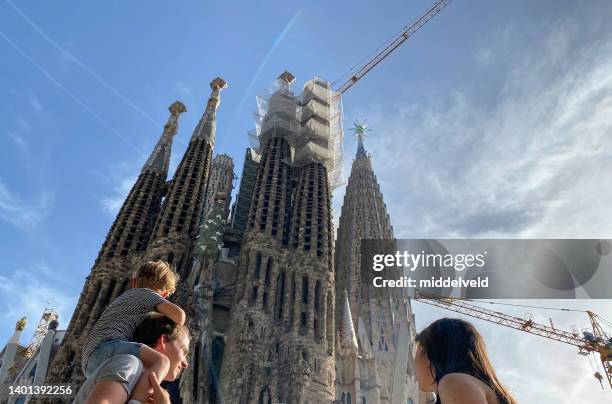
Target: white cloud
19 139
121 177
35 103
23 124
532 161
25 215
30 291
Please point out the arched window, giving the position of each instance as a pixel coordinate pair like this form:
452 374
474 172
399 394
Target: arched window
268 271
305 290
280 296
218 347
257 267
267 282
265 396
292 307
317 302
330 323
317 311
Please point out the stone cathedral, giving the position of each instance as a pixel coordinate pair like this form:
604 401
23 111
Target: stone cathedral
283 313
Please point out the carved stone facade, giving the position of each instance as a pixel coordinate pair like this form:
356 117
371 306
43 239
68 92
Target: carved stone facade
122 250
220 181
281 341
374 326
262 312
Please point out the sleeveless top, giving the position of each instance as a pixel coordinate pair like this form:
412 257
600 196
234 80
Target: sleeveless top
500 399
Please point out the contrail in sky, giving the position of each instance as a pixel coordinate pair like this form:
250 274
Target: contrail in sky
82 65
69 93
263 63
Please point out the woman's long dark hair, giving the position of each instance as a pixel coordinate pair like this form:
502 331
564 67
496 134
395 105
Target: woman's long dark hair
454 346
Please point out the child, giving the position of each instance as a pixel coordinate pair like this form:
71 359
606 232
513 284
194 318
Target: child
110 336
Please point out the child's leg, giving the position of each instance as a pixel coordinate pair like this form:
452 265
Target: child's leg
107 392
153 361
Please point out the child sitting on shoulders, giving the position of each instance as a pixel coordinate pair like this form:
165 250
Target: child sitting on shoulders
112 333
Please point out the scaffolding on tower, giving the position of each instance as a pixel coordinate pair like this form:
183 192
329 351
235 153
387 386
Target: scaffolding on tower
311 123
47 317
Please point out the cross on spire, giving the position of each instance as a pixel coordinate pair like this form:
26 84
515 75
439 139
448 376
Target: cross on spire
359 129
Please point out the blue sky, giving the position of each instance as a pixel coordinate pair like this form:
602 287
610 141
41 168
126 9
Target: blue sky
493 121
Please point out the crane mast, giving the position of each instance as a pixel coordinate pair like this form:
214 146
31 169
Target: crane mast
400 39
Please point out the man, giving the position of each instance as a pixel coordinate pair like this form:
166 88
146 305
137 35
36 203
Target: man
121 373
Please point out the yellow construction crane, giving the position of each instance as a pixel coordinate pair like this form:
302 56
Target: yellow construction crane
406 33
593 341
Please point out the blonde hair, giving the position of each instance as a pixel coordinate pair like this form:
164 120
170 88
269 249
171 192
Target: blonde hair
158 276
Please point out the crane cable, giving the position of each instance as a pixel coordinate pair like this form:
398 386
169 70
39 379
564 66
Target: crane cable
369 56
603 320
528 306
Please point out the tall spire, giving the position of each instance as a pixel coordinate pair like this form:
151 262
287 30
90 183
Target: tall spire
180 213
347 339
360 129
159 160
208 124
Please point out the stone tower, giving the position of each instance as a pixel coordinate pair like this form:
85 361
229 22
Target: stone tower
240 211
123 247
177 223
374 325
281 341
220 180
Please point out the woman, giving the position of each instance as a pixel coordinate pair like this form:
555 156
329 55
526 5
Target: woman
451 360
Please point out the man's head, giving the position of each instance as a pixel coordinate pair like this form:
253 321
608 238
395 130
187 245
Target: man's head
166 337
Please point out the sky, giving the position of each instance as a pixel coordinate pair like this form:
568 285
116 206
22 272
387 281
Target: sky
493 121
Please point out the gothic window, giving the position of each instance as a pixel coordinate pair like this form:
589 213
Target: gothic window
268 271
303 322
265 396
292 307
280 296
317 311
330 322
257 266
305 290
317 301
218 347
253 297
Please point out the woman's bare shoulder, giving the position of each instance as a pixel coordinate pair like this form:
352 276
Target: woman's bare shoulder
461 388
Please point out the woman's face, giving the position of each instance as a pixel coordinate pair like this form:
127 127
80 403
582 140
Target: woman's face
424 371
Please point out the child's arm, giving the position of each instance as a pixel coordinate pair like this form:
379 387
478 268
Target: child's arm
172 311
